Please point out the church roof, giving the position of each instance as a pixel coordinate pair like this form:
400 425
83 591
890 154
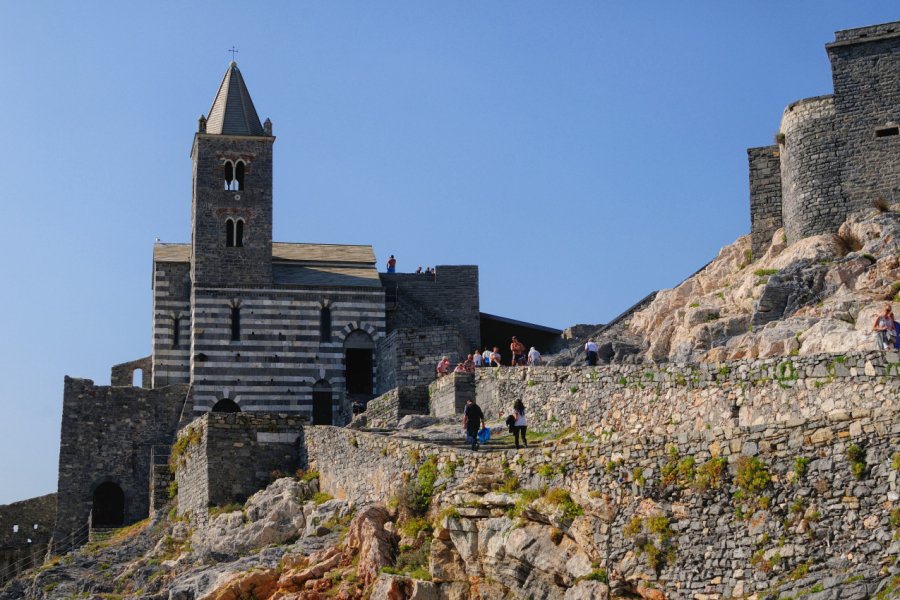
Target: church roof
232 111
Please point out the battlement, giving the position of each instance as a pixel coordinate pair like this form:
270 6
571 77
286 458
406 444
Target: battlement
859 35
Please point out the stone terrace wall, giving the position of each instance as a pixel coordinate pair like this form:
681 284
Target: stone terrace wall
627 400
232 455
449 394
824 520
408 357
25 530
387 409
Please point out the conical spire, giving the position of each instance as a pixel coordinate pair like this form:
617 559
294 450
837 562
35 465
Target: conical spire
232 111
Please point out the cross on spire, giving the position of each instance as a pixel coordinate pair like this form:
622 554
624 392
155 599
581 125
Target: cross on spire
233 51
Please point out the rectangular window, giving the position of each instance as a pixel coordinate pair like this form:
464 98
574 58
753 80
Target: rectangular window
887 131
235 324
325 325
176 331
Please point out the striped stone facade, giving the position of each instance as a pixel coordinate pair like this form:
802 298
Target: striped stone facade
171 309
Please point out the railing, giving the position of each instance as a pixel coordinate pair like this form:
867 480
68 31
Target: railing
72 541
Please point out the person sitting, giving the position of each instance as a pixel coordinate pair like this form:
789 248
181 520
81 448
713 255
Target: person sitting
469 364
443 367
486 357
885 333
534 357
495 357
477 358
460 368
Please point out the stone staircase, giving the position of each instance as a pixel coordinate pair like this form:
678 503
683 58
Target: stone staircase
102 534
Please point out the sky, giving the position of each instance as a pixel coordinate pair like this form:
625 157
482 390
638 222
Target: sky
581 153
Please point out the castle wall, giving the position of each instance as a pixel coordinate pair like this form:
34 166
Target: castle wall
632 400
107 434
387 410
450 296
123 373
448 395
280 355
725 544
409 357
813 201
25 530
171 301
865 65
230 456
765 196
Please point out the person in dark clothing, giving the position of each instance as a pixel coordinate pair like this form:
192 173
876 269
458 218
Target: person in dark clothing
519 426
473 420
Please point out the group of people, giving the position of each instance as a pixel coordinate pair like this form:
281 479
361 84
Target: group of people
473 423
492 358
887 330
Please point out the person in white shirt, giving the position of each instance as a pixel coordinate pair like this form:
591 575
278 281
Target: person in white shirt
590 350
486 357
534 357
519 427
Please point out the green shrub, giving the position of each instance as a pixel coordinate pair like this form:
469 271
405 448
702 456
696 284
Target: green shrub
597 575
751 475
172 489
303 475
801 464
563 499
895 461
711 474
765 272
857 457
191 437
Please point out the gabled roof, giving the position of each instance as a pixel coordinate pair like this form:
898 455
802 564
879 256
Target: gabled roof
312 254
232 111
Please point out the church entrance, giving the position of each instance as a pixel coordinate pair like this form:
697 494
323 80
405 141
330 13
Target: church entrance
108 507
322 413
358 362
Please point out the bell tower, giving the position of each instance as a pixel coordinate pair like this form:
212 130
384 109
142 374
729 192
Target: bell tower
231 208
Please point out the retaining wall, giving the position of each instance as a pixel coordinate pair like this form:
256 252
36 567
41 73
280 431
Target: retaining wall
387 410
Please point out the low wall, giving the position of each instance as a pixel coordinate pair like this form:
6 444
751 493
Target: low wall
449 394
810 519
387 410
25 531
627 400
227 457
409 356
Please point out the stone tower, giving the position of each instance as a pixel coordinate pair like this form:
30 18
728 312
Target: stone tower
231 216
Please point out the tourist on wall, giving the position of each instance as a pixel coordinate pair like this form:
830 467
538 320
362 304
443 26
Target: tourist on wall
486 357
520 425
477 358
495 357
517 349
534 357
473 420
392 264
460 368
590 350
443 367
885 332
469 364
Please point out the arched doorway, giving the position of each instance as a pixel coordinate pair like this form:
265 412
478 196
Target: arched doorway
358 362
226 405
108 508
322 413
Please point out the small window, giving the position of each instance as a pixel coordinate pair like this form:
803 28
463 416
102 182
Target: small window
15 529
239 233
229 175
137 378
235 323
229 233
325 324
887 131
176 331
239 175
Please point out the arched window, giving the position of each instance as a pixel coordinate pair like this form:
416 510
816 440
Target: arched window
229 175
229 233
227 406
239 233
137 378
176 331
239 174
235 323
325 324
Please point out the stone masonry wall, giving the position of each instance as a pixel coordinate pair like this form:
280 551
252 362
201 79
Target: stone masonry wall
387 409
449 394
629 400
107 434
765 196
25 531
171 308
409 357
123 373
818 526
230 456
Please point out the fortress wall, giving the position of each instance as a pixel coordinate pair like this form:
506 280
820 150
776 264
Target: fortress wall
107 433
765 196
451 295
865 66
280 355
623 401
231 456
813 201
25 530
448 395
409 357
386 410
171 299
820 517
122 374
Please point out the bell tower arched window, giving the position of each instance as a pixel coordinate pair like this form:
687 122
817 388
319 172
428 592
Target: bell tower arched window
239 233
234 175
229 174
234 233
229 233
239 174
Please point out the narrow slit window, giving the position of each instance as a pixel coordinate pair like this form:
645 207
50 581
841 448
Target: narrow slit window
239 233
239 174
176 331
229 175
887 131
229 233
235 323
325 324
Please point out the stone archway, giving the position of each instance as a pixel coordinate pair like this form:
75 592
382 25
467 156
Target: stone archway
226 405
108 506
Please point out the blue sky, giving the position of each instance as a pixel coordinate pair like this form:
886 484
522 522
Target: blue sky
582 154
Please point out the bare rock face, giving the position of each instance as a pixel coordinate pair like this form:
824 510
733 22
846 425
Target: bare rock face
372 541
394 587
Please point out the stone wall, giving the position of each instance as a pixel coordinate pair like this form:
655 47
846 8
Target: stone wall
812 525
409 357
171 309
630 400
449 394
123 373
765 196
229 456
107 435
25 531
387 409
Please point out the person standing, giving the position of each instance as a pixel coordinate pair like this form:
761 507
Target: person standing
392 264
443 366
520 425
473 421
534 357
486 357
517 349
590 350
884 329
477 358
495 357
